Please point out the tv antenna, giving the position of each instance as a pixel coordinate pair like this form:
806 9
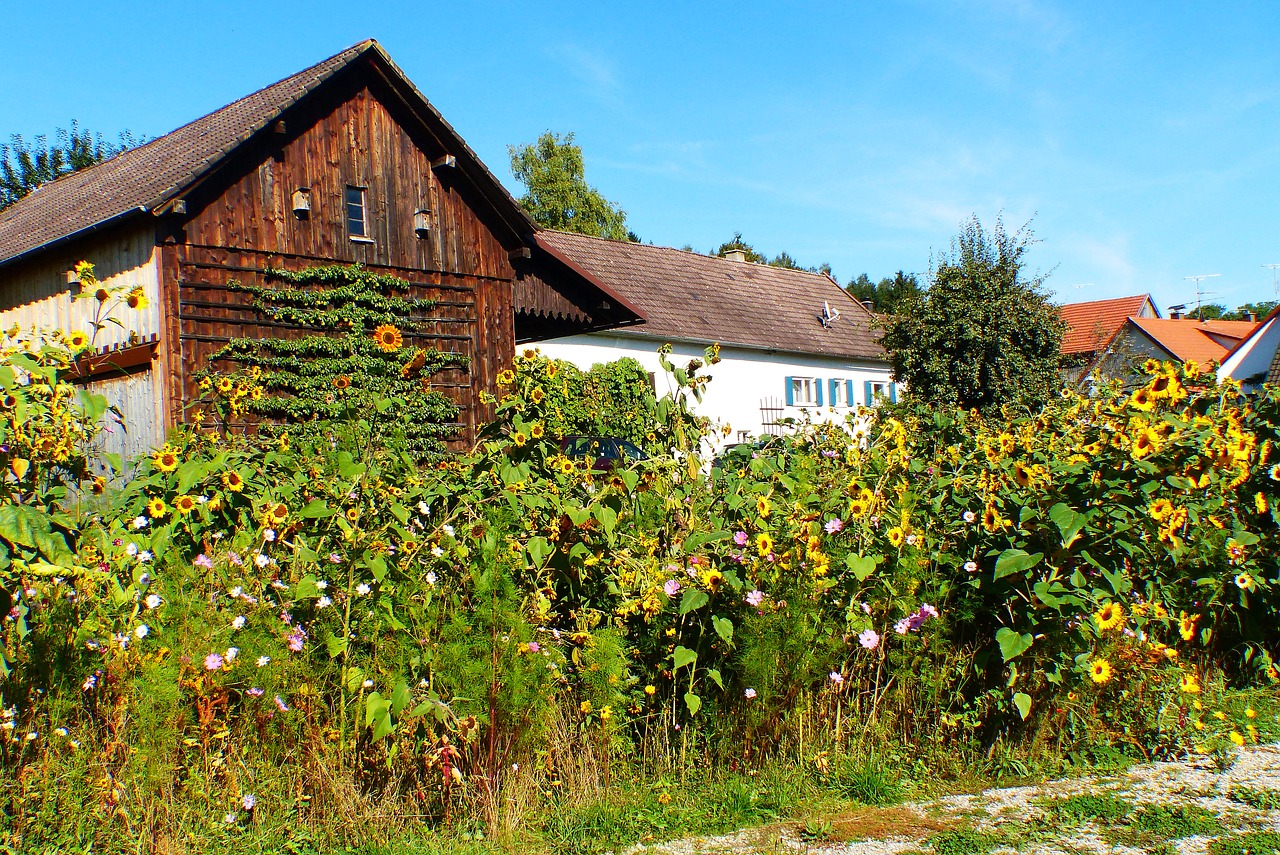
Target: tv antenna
1200 292
1275 277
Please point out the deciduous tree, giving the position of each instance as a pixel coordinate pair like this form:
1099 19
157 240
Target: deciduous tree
557 194
24 165
981 335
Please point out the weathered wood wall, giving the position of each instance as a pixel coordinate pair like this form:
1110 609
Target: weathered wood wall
243 225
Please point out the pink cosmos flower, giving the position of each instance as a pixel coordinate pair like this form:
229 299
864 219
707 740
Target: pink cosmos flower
833 526
213 662
836 677
297 640
740 538
750 693
671 587
533 647
202 560
869 639
755 598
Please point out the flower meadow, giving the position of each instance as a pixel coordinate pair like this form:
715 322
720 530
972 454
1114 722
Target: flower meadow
316 635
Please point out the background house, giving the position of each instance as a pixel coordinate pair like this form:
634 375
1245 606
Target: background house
343 162
1256 358
792 342
1110 338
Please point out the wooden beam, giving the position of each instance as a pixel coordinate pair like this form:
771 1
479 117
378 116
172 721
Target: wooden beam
447 160
523 253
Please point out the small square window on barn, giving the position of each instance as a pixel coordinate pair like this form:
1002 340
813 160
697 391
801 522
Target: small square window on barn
357 219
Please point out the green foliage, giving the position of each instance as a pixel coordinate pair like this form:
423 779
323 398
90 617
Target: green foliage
1091 806
557 195
24 165
1253 843
613 399
965 842
891 295
782 259
867 782
361 360
982 336
1258 799
1175 821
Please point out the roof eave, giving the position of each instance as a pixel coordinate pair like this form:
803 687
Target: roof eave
113 220
763 348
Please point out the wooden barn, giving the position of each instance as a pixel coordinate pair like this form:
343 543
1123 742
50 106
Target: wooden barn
345 162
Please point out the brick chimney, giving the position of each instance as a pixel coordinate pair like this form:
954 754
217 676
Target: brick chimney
734 255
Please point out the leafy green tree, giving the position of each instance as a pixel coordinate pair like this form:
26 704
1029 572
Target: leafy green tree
1259 310
24 165
889 295
1208 312
782 259
981 335
557 194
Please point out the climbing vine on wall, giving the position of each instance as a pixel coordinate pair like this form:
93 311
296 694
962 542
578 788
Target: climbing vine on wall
612 399
357 359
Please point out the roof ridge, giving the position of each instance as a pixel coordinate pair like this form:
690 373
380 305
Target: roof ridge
88 173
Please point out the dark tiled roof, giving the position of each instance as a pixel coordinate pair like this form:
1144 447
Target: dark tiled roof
702 298
145 177
1091 326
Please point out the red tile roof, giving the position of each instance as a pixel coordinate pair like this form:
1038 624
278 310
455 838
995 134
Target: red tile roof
695 297
1091 326
1187 338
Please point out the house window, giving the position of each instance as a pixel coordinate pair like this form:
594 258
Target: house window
878 392
357 223
839 396
802 392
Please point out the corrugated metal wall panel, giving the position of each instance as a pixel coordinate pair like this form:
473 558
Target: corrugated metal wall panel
137 399
36 293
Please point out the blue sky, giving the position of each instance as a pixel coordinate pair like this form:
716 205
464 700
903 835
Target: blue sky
1144 137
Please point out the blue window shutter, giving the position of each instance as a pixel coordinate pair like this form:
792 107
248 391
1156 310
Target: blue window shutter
893 393
848 393
831 392
871 398
817 382
791 396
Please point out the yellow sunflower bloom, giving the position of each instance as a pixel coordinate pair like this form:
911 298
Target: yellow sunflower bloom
764 543
156 508
1100 671
896 536
185 505
1109 616
388 338
1187 626
763 507
165 459
1190 684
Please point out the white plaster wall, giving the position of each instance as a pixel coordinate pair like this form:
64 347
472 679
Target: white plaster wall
1255 358
742 380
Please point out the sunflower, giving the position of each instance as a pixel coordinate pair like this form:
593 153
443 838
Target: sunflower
506 377
764 543
991 520
1160 509
232 481
342 381
225 385
1235 551
1152 366
1275 472
77 341
1160 385
137 299
896 536
1007 442
1187 626
537 395
1109 616
99 485
536 430
352 514
762 506
712 580
102 295
1100 671
1022 474
519 439
156 508
165 459
1245 582
388 338
278 512
185 504
1146 442
1142 400
1260 503
256 394
1191 369
1190 684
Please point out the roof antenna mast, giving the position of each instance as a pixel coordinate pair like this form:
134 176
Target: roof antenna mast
1200 292
1275 277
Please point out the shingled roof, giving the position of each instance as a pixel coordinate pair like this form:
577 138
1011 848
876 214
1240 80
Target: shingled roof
1091 326
143 179
691 297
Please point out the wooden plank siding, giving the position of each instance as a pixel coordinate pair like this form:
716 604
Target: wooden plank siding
240 227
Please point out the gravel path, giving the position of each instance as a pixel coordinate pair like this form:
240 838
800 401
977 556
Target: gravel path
1017 819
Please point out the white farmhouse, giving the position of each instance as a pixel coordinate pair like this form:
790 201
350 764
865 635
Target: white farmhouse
792 343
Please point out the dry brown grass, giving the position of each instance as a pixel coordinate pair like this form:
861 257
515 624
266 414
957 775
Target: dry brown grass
882 823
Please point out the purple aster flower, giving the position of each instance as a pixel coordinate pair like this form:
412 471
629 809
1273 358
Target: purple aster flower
833 526
533 647
213 662
740 538
281 704
926 609
234 559
296 640
248 801
749 693
202 560
255 692
335 558
902 626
